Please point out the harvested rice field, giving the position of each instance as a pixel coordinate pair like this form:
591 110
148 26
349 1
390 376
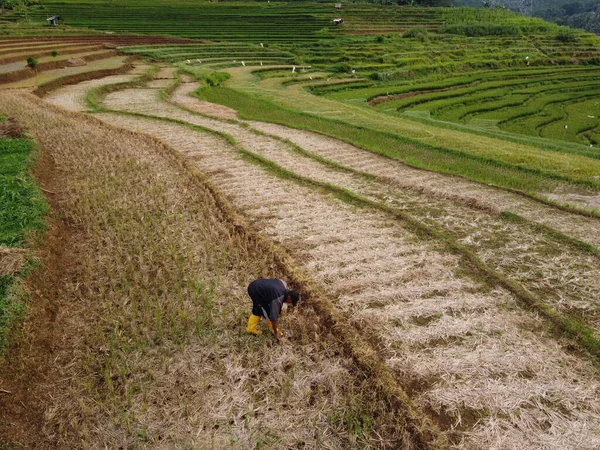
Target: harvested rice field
443 285
438 312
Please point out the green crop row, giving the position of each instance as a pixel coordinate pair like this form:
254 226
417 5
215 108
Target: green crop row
409 51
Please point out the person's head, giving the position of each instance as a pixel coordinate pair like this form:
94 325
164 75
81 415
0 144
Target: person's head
292 297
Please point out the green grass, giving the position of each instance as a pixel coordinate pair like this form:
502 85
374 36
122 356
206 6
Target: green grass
22 207
22 211
394 146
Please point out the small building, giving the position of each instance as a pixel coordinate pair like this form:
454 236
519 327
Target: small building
53 21
338 21
338 6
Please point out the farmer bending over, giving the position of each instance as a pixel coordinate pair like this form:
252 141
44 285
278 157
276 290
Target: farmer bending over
268 296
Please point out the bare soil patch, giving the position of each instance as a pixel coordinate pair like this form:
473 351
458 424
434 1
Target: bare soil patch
76 62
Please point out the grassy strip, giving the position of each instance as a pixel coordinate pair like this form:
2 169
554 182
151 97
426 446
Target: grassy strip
167 93
515 218
22 211
95 97
552 233
22 207
539 142
584 336
520 181
411 152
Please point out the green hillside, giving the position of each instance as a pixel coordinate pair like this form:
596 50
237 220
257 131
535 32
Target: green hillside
489 69
488 72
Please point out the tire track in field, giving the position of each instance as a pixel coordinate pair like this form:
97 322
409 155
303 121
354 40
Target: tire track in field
465 351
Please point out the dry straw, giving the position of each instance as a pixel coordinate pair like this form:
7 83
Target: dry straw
466 352
152 352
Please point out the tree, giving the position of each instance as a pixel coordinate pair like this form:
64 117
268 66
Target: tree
572 8
32 63
434 3
18 6
524 7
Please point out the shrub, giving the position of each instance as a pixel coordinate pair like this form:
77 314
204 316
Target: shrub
341 68
54 53
217 78
419 33
32 63
566 35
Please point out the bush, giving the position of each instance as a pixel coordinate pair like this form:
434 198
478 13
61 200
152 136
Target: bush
566 35
341 68
32 63
54 53
217 78
419 33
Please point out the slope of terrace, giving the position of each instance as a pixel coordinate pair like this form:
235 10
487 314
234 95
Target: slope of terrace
97 53
210 21
272 23
520 155
149 351
455 341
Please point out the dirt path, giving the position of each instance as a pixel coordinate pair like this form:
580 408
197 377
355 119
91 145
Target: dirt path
467 353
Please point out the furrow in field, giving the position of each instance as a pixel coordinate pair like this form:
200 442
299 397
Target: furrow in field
561 274
383 275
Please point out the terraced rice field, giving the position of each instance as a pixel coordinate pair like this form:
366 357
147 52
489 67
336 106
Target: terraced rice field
433 268
63 56
441 219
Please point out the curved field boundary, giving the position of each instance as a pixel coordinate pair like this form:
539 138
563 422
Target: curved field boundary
46 53
454 142
45 88
23 74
